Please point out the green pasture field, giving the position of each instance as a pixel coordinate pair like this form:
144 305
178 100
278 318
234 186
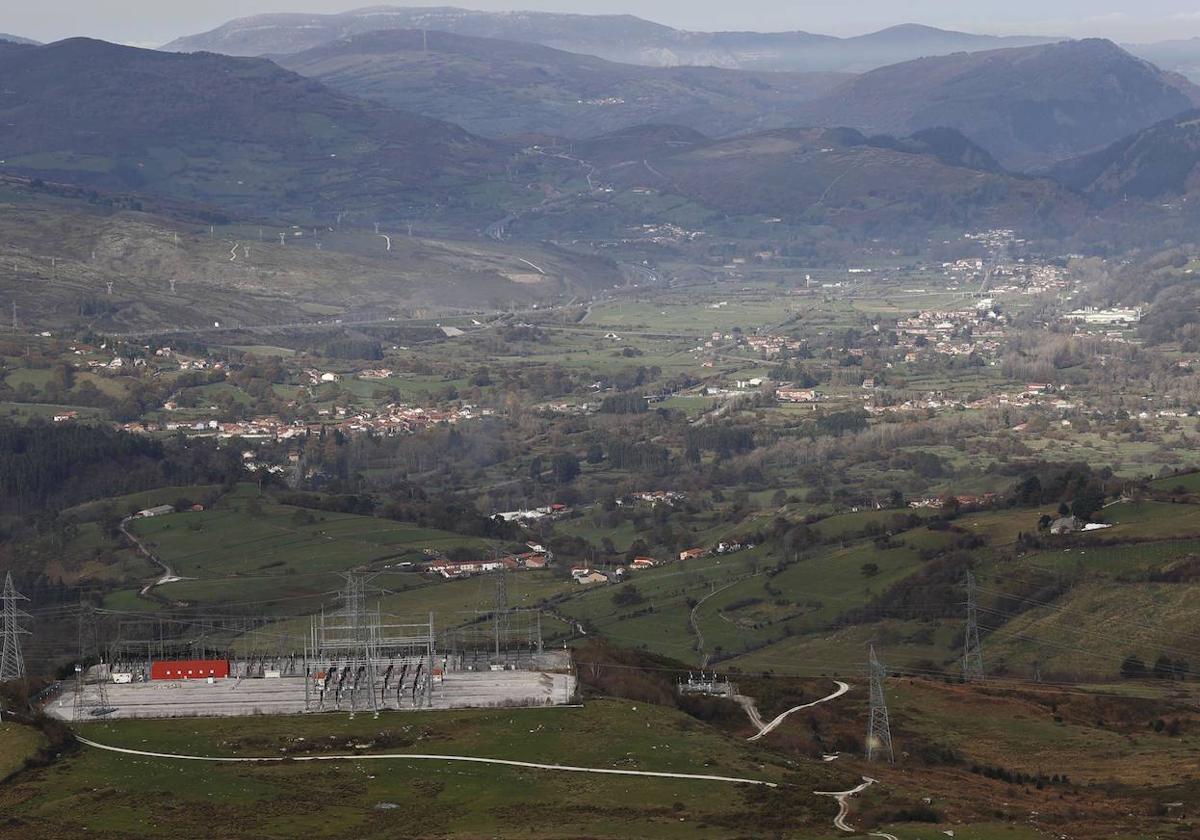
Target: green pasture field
412 596
226 542
660 621
1190 482
404 798
16 744
232 554
904 645
1151 520
134 502
1124 559
265 350
1095 625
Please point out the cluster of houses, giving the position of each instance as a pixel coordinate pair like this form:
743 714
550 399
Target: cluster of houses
586 575
932 401
772 345
963 501
663 234
568 409
526 516
653 497
1105 317
538 557
958 332
794 394
391 420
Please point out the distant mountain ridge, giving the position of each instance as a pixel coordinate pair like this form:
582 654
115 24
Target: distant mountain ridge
857 185
237 132
1029 106
1178 56
16 39
621 38
1159 163
499 88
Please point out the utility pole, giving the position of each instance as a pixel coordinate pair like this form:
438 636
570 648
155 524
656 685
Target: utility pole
12 663
879 730
14 325
972 661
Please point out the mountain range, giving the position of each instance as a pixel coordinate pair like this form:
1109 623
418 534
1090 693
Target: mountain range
250 140
1030 106
1159 163
241 133
1179 56
620 38
833 177
496 87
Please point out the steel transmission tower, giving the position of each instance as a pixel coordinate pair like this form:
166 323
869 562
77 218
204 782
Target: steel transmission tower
879 729
362 627
12 663
500 609
972 661
91 703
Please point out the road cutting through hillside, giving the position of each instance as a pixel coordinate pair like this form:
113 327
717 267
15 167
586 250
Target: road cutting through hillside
842 688
843 801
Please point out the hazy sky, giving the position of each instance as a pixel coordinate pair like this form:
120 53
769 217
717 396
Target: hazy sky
153 22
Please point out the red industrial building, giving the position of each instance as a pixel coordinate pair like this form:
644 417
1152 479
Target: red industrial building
189 669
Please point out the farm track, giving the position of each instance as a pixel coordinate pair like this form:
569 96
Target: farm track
764 729
843 801
568 768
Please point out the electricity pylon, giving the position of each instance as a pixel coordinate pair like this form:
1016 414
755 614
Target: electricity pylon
879 730
972 661
12 663
500 609
91 703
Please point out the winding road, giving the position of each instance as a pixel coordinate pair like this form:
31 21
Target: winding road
168 575
567 768
843 801
842 688
696 626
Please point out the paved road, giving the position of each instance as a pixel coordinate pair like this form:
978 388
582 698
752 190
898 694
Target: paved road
420 757
842 688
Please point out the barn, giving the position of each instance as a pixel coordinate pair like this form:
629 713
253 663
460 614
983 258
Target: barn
189 669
